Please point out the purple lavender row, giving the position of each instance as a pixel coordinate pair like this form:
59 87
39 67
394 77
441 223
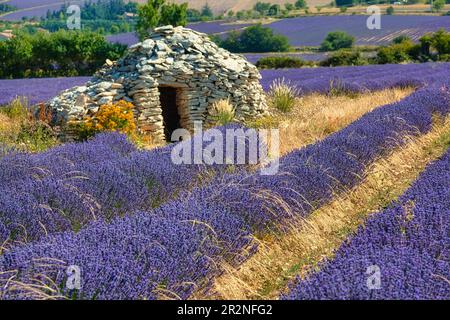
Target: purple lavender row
172 249
358 79
401 253
69 186
36 90
309 177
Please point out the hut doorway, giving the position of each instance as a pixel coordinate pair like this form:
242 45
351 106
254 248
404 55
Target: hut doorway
168 97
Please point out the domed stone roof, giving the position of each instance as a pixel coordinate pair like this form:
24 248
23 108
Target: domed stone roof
172 78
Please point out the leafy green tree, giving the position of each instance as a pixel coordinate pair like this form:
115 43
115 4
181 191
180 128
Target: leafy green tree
396 53
438 5
241 14
440 40
300 4
289 6
62 53
390 10
400 39
193 15
337 40
174 14
262 7
274 10
148 17
255 39
157 13
207 12
344 3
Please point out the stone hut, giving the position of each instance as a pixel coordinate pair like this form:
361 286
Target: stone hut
172 78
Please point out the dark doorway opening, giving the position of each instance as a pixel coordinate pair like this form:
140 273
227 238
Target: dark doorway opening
171 117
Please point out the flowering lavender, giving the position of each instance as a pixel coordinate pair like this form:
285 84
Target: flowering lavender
308 177
310 31
68 186
173 248
360 78
408 242
36 90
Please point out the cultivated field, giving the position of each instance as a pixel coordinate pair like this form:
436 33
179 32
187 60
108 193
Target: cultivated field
92 188
157 230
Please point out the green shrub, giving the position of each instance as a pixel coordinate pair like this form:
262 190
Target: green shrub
400 39
62 53
390 10
396 53
280 62
337 40
345 58
254 39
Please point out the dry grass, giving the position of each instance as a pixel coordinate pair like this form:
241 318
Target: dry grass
281 258
8 127
315 116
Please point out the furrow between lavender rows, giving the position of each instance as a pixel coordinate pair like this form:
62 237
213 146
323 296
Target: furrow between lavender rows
400 253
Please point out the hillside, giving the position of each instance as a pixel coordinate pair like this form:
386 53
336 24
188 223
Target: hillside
237 5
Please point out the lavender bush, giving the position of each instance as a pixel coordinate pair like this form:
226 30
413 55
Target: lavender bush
408 242
68 186
360 78
308 177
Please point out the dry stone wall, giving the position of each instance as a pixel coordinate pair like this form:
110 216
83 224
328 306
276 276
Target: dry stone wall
189 61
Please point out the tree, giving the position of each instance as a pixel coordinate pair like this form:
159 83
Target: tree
193 15
274 10
289 6
337 40
241 14
157 13
174 14
390 10
262 7
400 39
438 5
300 4
207 11
148 17
440 40
254 39
344 3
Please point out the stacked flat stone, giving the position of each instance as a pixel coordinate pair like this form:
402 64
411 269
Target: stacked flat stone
180 58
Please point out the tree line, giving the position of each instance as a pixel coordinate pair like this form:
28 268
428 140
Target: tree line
62 53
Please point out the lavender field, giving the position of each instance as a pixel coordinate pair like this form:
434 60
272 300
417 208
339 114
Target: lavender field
182 172
34 8
310 31
36 90
306 80
406 251
228 204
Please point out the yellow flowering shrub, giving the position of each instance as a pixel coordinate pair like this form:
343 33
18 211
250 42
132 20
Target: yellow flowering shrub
111 117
